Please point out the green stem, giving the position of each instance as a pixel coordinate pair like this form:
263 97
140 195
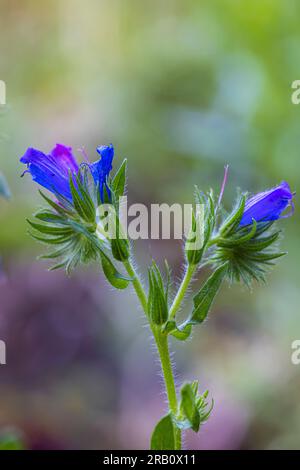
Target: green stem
164 354
162 347
137 285
182 290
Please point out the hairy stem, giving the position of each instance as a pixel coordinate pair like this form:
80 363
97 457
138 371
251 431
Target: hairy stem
137 285
161 341
164 354
182 290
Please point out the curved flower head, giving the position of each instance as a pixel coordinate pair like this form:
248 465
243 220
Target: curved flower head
52 171
268 205
71 220
100 170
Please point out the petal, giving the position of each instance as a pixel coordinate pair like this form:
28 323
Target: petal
107 155
64 158
267 205
50 180
46 172
101 168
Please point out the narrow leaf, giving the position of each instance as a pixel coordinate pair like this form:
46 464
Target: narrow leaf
204 299
115 278
119 180
234 219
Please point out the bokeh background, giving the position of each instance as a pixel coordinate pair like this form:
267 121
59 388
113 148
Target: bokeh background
180 88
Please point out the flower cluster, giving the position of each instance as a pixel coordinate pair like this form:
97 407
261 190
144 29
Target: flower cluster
71 221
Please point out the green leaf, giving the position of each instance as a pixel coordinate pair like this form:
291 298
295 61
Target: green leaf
120 248
112 274
188 406
265 257
204 299
179 333
163 436
59 209
82 206
48 230
48 216
238 240
234 219
262 243
4 189
83 192
49 240
119 180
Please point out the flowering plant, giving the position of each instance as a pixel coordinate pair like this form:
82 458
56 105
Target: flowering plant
237 246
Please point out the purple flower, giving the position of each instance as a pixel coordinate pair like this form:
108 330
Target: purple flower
52 171
268 205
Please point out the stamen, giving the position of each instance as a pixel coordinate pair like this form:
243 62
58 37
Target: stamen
290 213
26 171
83 152
226 168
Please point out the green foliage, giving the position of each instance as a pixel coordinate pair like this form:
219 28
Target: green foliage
202 304
163 436
180 333
205 297
112 274
119 181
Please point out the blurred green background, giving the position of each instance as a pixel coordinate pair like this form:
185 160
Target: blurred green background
180 88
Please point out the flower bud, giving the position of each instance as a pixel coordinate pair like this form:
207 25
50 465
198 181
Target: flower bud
158 297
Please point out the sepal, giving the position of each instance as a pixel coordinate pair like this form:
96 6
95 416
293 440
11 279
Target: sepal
194 409
247 252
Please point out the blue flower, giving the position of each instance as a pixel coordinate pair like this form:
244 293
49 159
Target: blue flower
52 171
100 170
268 205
